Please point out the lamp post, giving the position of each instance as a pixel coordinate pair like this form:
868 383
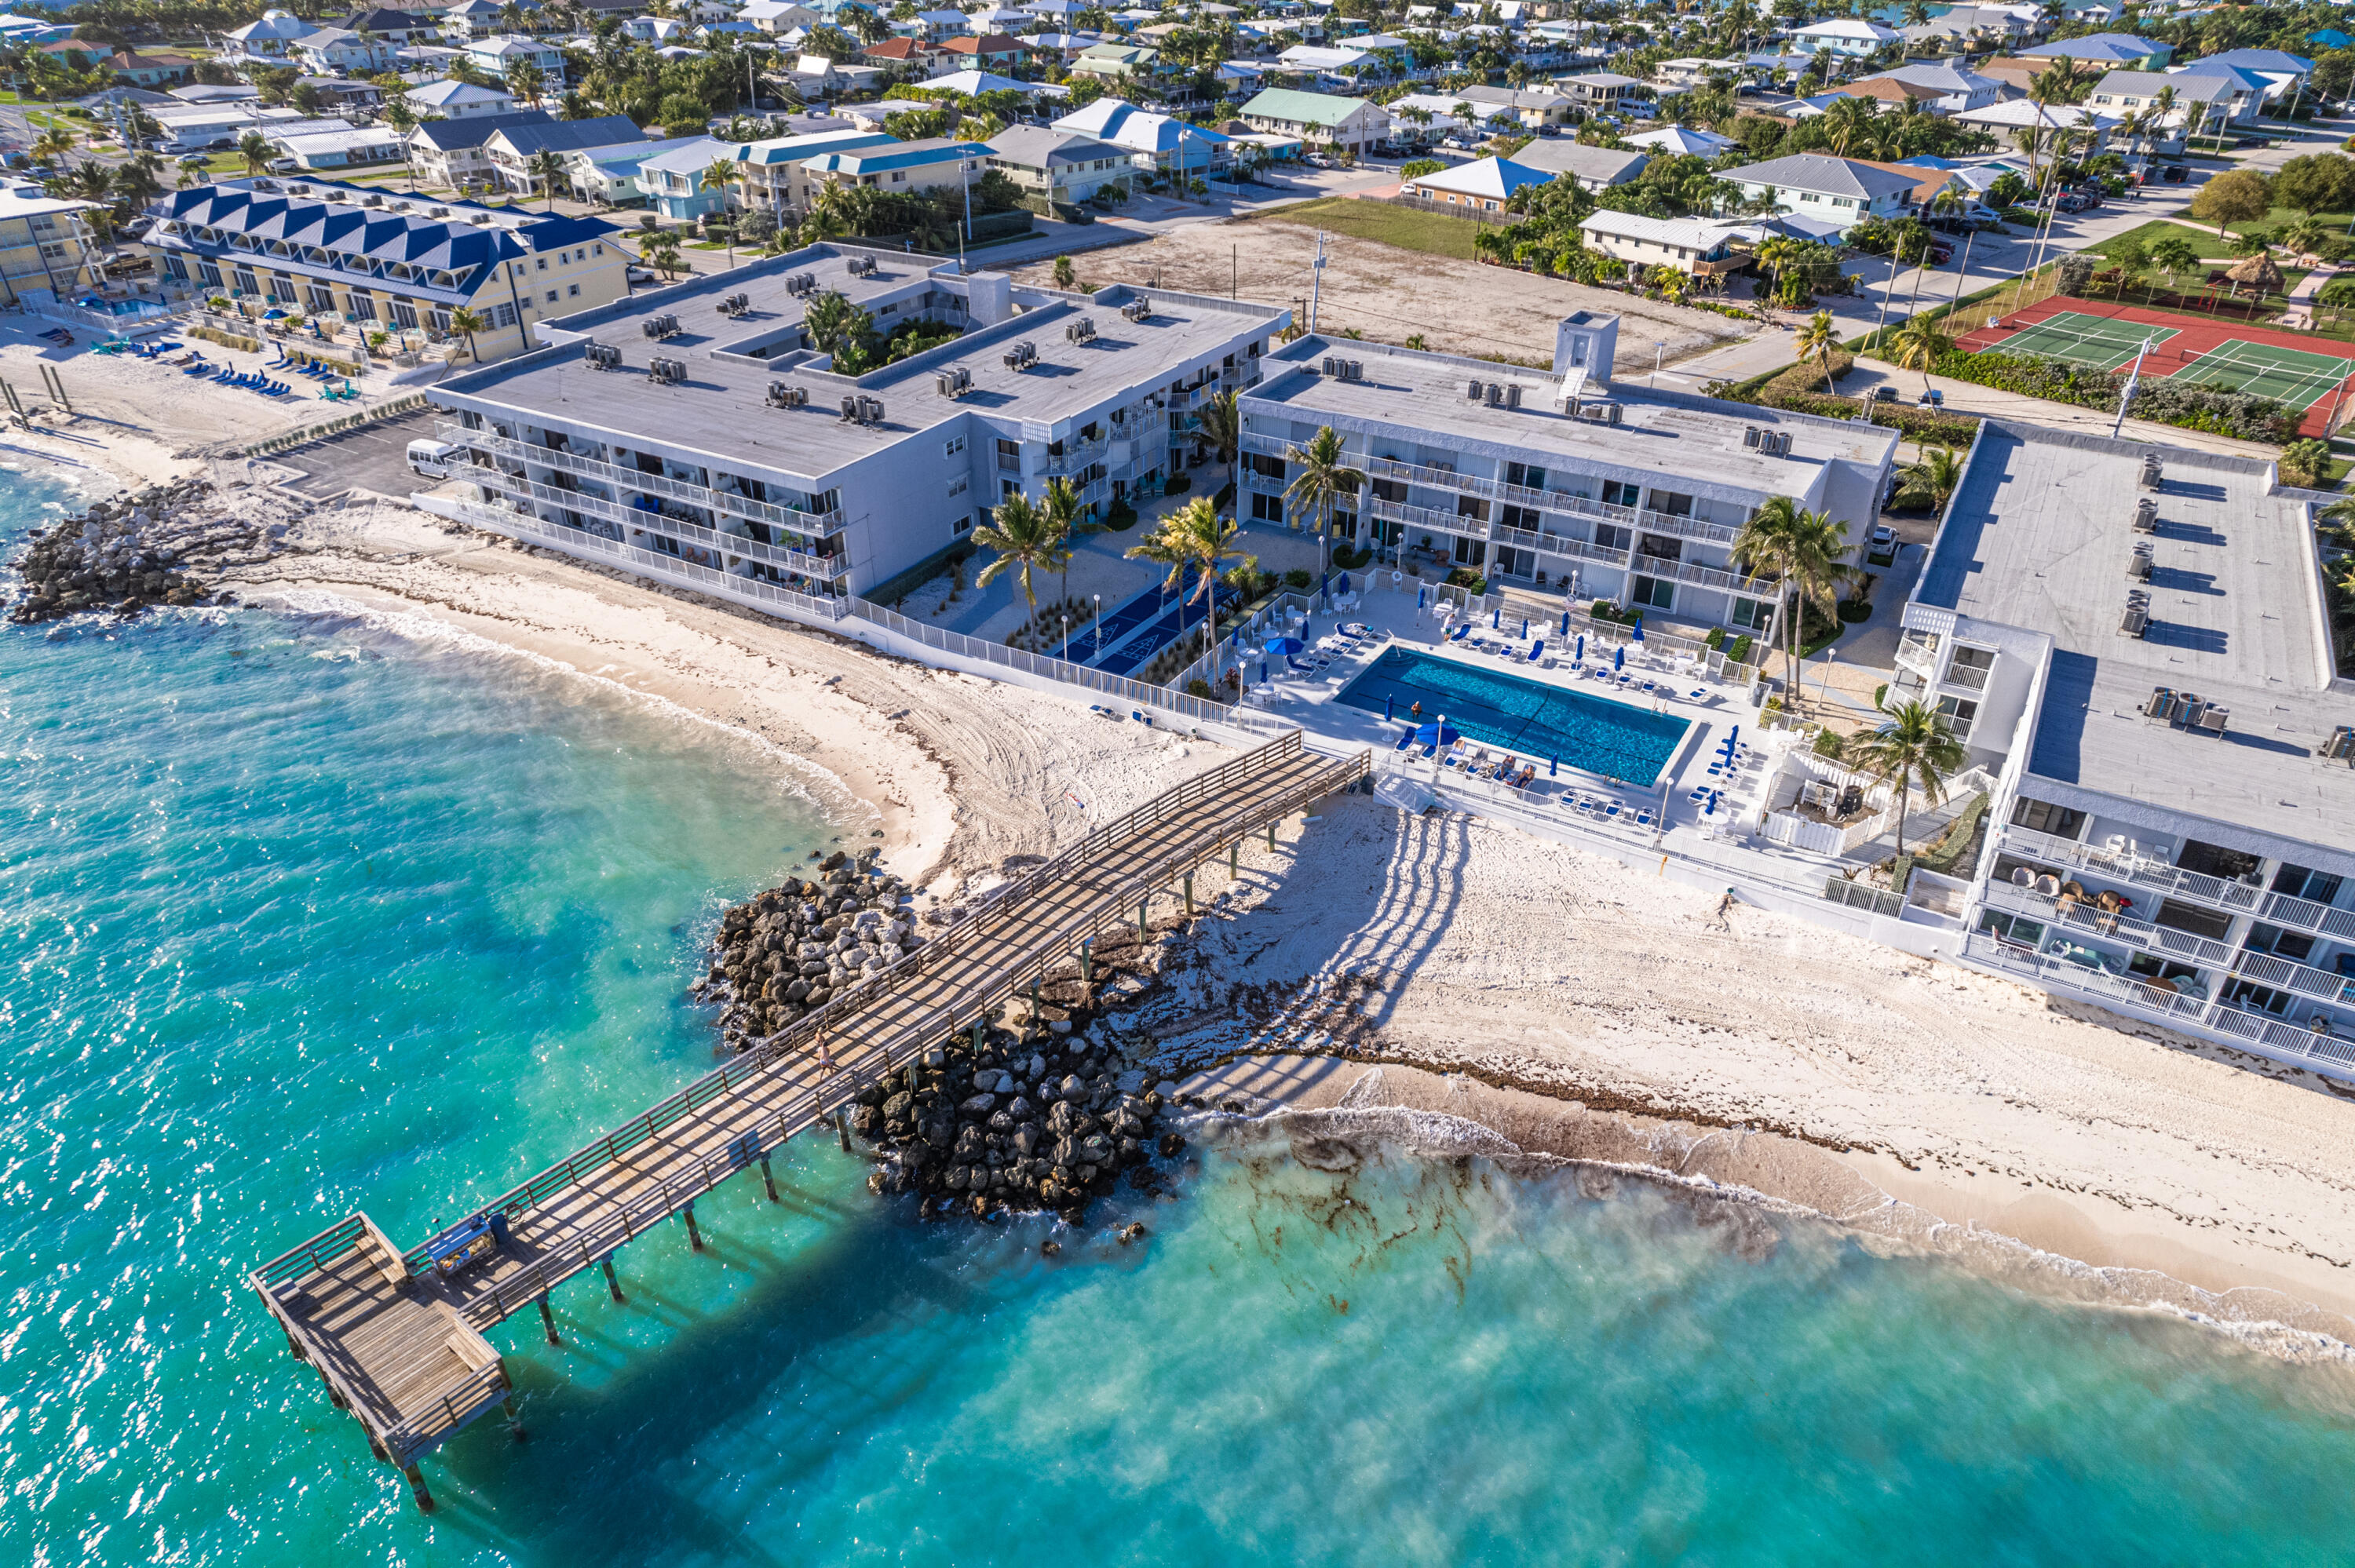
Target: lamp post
1099 647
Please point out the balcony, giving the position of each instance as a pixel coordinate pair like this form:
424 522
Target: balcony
2216 892
1706 576
2064 974
814 523
2287 974
2083 916
1687 527
1074 456
1967 677
1920 658
825 568
645 563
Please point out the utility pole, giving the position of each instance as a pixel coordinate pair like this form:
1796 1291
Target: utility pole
1317 281
1960 273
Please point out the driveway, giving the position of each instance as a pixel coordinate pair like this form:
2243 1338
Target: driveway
373 457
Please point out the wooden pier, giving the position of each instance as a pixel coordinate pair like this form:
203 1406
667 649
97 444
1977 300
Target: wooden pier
398 1336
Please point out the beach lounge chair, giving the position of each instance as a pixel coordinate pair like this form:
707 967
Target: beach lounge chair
1405 740
1536 650
1611 809
1292 664
1644 818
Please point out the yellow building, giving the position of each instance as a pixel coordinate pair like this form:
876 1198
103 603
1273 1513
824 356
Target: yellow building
44 244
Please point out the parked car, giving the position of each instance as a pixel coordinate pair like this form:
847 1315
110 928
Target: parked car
2174 174
1884 394
1880 545
2068 203
1941 254
435 459
196 160
1931 398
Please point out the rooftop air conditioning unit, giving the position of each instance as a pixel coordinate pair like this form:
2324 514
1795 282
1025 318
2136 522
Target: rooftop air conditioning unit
1750 436
2137 617
1138 310
2341 747
2138 565
871 410
1022 356
2153 472
669 372
2160 704
2212 720
603 355
850 408
1472 391
1328 366
437 212
955 381
781 396
1512 394
860 266
1772 443
1081 331
374 198
2145 518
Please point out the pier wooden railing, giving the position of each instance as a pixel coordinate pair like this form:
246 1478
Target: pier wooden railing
991 909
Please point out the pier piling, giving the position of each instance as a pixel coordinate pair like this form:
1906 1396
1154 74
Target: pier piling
1235 861
417 1484
694 1236
1190 895
613 1280
548 1321
1141 929
768 1179
1087 961
514 1413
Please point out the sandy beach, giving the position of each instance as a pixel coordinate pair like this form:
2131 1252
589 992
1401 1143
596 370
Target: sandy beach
1580 1007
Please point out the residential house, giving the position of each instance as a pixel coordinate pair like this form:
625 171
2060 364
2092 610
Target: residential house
453 152
987 51
1676 141
2241 91
1955 87
459 99
1848 35
2198 106
913 58
1058 165
333 51
673 180
778 15
1602 92
393 27
1116 61
1589 168
513 150
1422 118
1693 70
937 25
471 19
351 148
1841 192
1483 186
156 71
1530 110
1930 181
346 251
2111 51
1156 142
610 174
1888 93
1967 26
271 36
1319 119
2019 113
657 29
1701 248
502 52
2015 75
2286 74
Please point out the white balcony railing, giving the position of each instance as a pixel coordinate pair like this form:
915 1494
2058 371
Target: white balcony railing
645 563
814 523
2221 893
822 566
2083 916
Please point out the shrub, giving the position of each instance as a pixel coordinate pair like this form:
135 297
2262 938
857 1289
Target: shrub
1806 377
1740 652
1828 744
1420 167
1466 578
1851 612
1299 578
1880 695
2240 413
1120 516
1179 484
1199 687
1716 638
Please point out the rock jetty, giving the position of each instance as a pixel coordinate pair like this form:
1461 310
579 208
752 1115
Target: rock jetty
791 948
164 545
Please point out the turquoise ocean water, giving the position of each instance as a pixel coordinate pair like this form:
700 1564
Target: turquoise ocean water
297 914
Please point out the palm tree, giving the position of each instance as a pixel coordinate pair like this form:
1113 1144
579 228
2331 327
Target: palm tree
660 250
547 168
1024 540
1913 749
1194 537
52 144
1066 515
1818 566
1066 277
256 150
1764 545
1818 340
1918 345
1222 427
720 174
1324 478
468 322
1931 478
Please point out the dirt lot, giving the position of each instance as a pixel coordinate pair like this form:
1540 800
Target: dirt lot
1388 293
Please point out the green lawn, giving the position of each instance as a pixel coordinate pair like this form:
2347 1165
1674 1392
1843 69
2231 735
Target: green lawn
2202 240
1403 226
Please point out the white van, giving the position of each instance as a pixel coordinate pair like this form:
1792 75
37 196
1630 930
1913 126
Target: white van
435 459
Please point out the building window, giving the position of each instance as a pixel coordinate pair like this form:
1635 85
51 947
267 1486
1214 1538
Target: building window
1615 494
1007 489
573 291
503 315
953 448
1610 536
2296 945
2214 860
1755 614
2320 886
1654 593
2047 817
1471 552
2012 929
1266 508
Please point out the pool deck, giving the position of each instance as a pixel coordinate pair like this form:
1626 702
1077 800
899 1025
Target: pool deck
1729 839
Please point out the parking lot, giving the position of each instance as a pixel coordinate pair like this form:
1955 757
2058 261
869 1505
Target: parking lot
374 457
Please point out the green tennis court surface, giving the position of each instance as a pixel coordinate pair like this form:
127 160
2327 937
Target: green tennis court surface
2291 376
2098 341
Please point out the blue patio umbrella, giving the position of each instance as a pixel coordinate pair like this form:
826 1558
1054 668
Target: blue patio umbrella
1263 672
1386 708
1639 629
1439 733
1283 645
1619 657
1525 626
1565 623
1343 585
1497 618
1422 597
1553 765
1711 809
1579 657
1324 584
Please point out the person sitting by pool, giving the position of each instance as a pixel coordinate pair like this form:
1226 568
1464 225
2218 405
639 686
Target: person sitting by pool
1416 710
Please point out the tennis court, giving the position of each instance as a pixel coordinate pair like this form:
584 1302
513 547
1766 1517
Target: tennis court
2098 340
2290 376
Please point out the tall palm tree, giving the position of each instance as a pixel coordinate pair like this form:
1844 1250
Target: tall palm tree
1024 541
1765 543
256 150
467 321
1067 514
1911 749
1918 345
1324 477
52 144
722 174
1818 565
1818 340
1196 538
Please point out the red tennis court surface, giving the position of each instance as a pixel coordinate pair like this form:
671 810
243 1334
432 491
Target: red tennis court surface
2193 336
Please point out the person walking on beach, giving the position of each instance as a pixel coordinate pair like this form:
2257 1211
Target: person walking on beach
1724 911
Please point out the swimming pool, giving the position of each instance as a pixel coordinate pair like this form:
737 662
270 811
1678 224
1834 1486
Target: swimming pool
1598 735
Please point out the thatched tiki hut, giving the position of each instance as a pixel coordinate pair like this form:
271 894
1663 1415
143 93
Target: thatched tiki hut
2258 272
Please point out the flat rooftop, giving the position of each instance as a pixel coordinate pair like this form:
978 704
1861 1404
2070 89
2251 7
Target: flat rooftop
2041 536
1673 435
722 412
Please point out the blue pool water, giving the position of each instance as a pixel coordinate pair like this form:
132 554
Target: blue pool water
297 914
1615 739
